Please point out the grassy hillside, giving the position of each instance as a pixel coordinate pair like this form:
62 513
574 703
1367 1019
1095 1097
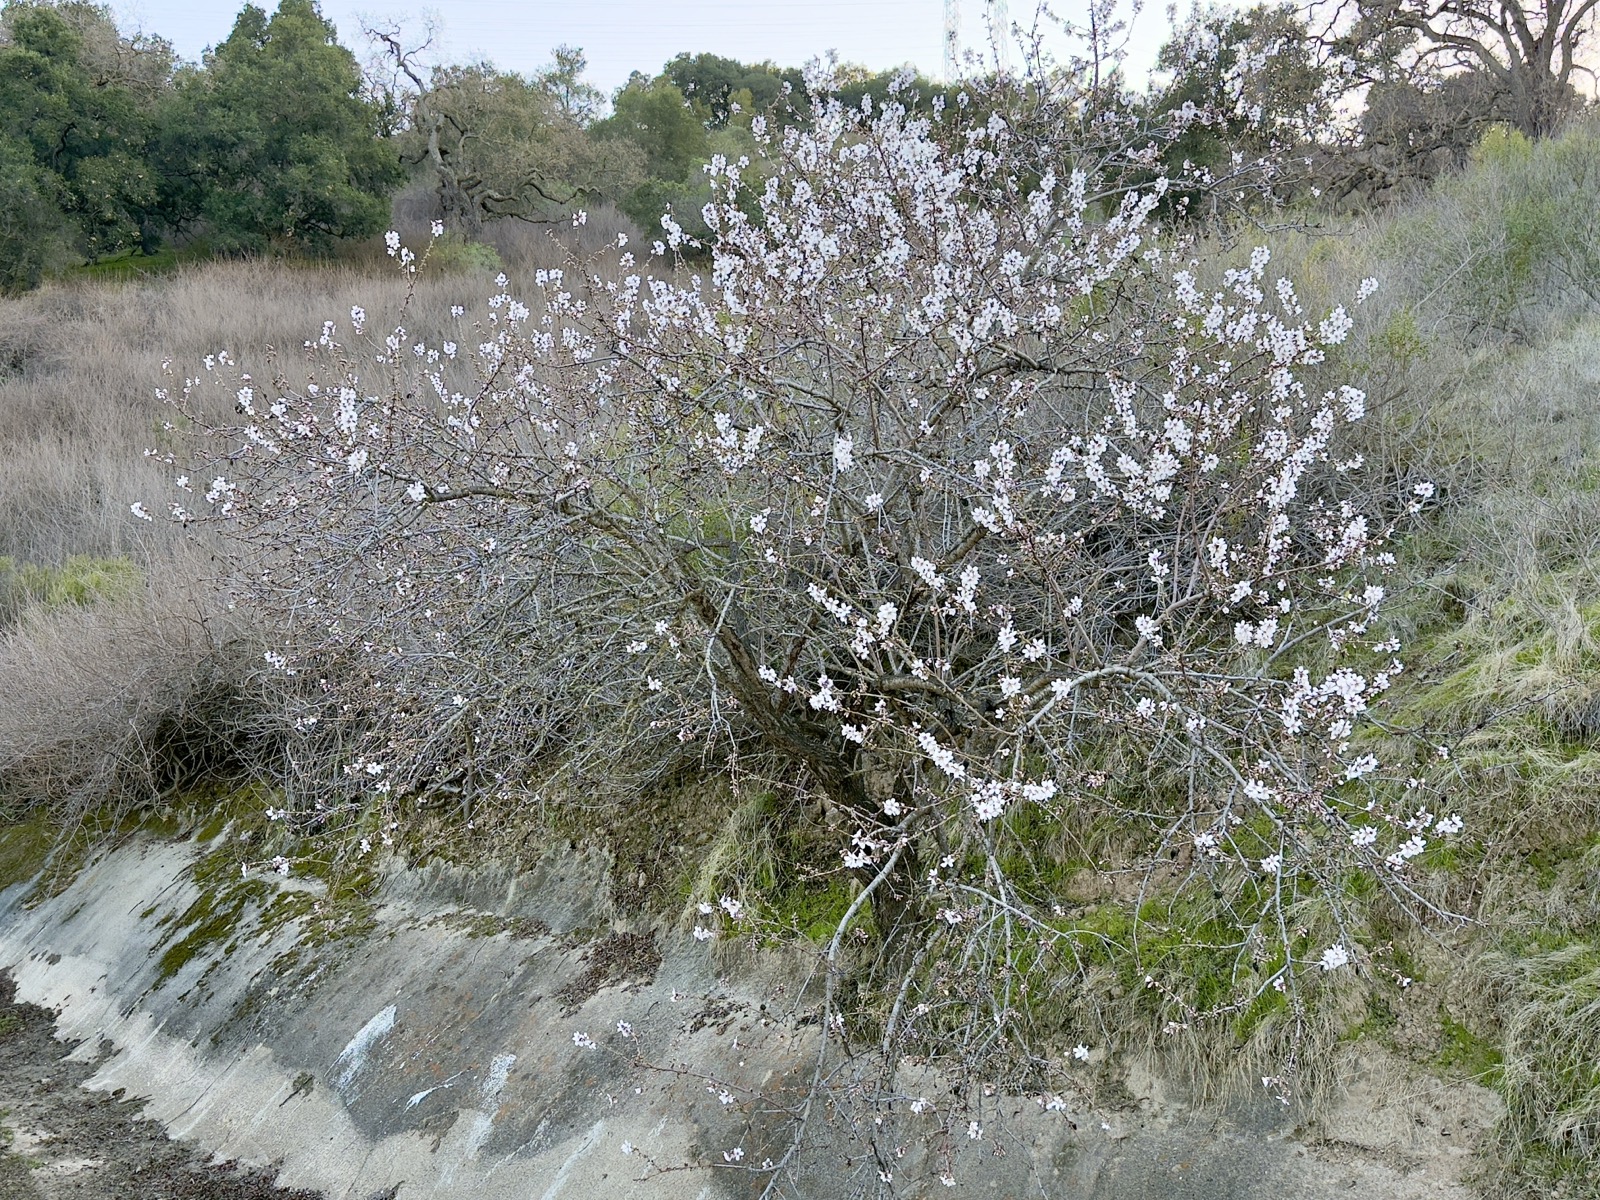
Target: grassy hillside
135 683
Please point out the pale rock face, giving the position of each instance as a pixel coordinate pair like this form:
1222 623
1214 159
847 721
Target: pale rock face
447 1064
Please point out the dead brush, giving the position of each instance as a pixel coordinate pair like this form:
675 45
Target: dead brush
120 705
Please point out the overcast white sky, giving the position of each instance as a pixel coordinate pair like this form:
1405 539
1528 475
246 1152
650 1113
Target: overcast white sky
621 36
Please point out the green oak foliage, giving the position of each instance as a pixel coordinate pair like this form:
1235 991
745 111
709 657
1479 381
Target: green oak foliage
725 88
671 133
78 105
499 144
280 146
33 238
578 102
1255 69
655 115
717 84
854 84
1255 74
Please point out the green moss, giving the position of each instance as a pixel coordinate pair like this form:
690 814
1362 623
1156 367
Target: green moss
1040 857
167 823
24 849
212 919
1466 1052
218 807
1175 940
213 827
64 850
235 902
488 925
815 909
232 904
284 908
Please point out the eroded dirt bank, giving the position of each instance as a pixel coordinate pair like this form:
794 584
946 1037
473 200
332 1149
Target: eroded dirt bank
64 1142
464 1042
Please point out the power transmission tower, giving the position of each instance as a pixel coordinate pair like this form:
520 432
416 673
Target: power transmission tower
1000 31
952 40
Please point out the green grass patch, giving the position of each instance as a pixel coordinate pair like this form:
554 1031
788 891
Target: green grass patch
131 264
1465 1052
454 254
80 581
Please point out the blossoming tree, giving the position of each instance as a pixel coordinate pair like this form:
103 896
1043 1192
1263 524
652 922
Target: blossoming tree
940 486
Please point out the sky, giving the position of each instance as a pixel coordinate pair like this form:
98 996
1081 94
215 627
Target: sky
622 36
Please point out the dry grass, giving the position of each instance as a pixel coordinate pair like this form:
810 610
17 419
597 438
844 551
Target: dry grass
121 698
79 365
77 396
121 704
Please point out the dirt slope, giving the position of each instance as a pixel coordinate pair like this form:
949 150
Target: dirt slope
63 1142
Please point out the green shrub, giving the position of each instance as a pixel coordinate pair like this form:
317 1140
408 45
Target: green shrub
1509 248
454 253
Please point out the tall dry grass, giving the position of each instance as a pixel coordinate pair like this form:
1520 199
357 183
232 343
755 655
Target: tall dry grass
79 366
128 697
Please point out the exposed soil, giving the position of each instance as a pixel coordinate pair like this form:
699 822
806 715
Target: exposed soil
613 959
60 1141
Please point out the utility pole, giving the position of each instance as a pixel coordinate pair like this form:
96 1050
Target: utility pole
952 40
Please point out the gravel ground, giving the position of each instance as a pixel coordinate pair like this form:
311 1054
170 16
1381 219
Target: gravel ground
59 1141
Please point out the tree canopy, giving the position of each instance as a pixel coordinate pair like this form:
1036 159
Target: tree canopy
277 140
77 109
1531 52
719 84
281 135
498 144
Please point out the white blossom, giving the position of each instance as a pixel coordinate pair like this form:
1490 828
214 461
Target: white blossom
843 453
